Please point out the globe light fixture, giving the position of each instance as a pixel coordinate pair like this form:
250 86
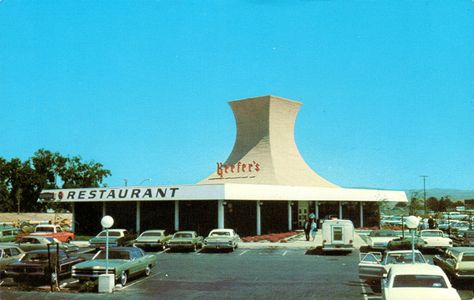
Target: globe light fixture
107 222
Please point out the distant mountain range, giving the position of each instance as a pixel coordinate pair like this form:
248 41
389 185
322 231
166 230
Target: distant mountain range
438 193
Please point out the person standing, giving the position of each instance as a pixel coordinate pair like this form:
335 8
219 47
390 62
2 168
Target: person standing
313 229
307 228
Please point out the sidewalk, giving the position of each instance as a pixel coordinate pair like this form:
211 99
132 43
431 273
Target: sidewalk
298 242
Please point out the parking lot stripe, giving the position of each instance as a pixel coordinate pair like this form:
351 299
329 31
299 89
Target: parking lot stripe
364 292
163 251
141 280
243 252
284 253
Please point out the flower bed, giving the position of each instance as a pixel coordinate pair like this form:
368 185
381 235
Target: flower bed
271 237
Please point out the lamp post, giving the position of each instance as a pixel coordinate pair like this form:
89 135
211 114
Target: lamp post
424 192
107 222
412 223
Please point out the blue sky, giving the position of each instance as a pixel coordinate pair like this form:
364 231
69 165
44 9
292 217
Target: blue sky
142 86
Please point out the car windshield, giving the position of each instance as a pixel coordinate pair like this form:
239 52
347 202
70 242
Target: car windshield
417 281
111 233
220 233
432 233
52 240
385 233
183 235
113 254
404 258
44 229
39 256
151 234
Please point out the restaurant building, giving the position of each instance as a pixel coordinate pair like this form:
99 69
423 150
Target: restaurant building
263 186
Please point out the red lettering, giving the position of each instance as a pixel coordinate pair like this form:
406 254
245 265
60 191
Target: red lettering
219 169
250 167
232 167
238 166
226 167
257 166
243 167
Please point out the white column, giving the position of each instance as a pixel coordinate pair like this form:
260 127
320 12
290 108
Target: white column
316 209
220 214
340 210
290 227
176 215
361 205
259 228
73 218
137 225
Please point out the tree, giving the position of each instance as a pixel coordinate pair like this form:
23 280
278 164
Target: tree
432 203
415 204
22 182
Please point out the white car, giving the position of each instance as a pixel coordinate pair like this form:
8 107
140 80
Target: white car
378 239
417 281
434 239
221 239
373 266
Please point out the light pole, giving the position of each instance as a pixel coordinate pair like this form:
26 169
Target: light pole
126 181
412 223
424 192
107 222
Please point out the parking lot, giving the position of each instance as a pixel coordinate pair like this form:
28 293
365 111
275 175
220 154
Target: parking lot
259 271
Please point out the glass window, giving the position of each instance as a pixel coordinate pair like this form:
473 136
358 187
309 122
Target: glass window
416 281
337 233
151 234
468 257
404 258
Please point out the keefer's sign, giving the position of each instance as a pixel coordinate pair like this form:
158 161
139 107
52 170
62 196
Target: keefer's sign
132 193
237 168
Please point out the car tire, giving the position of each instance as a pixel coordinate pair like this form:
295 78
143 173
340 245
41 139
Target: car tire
194 247
123 278
147 271
68 240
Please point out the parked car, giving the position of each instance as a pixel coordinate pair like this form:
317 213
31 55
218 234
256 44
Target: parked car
421 282
338 235
8 255
8 234
434 239
54 231
185 240
117 238
378 239
457 263
465 239
373 265
32 242
152 239
222 239
124 263
404 243
34 265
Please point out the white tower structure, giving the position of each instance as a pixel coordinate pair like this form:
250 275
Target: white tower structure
265 151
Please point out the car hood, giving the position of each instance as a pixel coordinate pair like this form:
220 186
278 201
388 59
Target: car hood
421 294
436 239
382 239
102 239
101 263
30 264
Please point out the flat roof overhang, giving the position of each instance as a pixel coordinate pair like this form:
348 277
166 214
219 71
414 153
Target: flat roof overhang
227 191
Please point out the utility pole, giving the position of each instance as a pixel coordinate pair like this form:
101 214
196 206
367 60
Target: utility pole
424 192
